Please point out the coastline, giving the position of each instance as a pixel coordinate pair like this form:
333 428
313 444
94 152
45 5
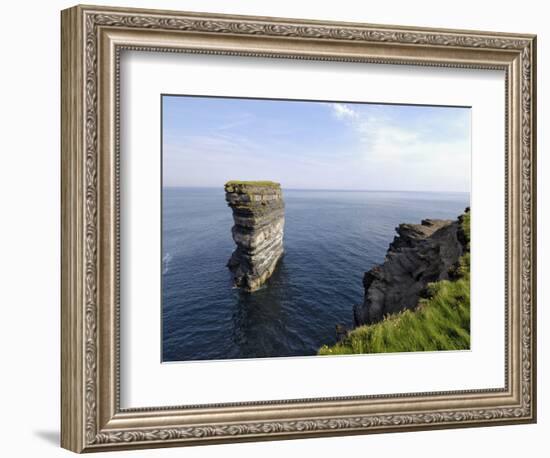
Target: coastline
439 319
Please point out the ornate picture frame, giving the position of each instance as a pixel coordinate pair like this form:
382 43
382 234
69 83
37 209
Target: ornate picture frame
92 41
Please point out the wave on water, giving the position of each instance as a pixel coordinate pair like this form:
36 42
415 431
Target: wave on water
166 262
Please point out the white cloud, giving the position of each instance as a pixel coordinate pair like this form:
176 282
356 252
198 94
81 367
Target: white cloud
342 111
416 152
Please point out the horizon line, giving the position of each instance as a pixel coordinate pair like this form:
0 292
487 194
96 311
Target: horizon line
326 189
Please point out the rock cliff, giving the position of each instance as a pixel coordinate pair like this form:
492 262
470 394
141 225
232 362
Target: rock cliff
419 254
258 214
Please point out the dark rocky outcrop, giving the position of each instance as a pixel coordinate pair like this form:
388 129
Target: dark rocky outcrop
258 214
420 254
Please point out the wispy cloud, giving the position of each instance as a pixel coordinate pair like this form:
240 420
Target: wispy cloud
241 120
342 111
425 144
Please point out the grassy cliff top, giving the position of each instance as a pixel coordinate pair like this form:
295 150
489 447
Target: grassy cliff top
244 186
440 322
270 184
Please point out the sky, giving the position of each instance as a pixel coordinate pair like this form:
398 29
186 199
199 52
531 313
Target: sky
315 145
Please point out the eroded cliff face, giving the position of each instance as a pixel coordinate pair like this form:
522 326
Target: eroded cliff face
419 254
258 214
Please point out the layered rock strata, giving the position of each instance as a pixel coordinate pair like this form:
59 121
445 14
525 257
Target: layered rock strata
419 254
259 217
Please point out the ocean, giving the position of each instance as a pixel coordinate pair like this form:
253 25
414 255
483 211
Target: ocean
331 238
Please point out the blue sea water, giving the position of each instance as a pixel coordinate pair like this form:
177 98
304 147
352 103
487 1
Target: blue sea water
331 238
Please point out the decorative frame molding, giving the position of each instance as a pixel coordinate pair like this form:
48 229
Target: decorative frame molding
92 39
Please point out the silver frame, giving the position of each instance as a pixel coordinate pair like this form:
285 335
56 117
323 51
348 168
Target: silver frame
92 40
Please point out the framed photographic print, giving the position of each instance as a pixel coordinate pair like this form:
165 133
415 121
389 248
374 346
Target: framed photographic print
280 228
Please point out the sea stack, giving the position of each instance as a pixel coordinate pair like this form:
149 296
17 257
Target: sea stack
259 217
419 254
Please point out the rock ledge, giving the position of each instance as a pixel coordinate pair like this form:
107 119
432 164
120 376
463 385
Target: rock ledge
258 214
419 254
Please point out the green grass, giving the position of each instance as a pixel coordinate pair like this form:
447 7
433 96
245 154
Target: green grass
439 322
465 223
270 184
